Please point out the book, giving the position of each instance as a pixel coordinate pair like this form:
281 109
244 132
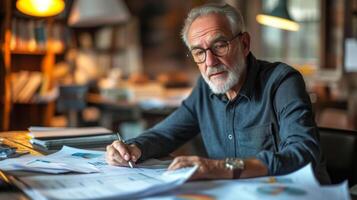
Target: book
46 132
19 81
104 38
81 141
32 85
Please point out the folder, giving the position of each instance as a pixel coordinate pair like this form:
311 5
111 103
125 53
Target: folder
81 141
53 132
50 138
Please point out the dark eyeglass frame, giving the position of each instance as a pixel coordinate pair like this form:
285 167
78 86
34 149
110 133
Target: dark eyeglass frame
212 51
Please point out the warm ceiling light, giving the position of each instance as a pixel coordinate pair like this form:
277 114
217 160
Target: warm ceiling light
279 17
278 22
40 8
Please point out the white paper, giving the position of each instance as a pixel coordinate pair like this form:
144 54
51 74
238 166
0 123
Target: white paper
66 160
123 183
305 176
11 164
297 185
111 181
70 159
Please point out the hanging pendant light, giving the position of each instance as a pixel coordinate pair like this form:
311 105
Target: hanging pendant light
40 8
91 13
279 17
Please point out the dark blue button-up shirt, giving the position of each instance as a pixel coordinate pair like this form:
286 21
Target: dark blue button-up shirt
270 119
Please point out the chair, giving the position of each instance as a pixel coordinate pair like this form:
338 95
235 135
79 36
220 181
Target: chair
339 147
72 101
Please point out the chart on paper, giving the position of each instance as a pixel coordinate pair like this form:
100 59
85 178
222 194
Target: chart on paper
109 181
99 185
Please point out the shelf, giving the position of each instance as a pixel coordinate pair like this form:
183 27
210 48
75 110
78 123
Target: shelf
36 52
26 52
33 103
110 51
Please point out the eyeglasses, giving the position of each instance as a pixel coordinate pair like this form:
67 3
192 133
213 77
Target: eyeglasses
219 48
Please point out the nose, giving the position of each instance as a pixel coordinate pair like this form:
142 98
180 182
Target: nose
211 60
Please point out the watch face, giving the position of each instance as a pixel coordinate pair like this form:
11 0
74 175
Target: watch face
240 164
235 163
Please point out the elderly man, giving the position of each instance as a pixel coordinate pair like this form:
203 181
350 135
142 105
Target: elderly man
255 117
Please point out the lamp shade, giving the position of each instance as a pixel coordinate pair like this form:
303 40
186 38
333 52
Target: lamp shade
279 17
90 13
40 8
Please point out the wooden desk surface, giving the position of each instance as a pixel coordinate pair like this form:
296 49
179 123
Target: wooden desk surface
20 140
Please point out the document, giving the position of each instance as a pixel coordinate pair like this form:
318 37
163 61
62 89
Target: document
126 184
108 181
118 183
69 159
297 185
66 160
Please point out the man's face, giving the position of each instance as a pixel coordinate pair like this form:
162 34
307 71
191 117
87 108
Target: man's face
220 72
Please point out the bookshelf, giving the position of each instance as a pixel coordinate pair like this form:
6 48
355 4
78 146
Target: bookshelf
116 46
30 48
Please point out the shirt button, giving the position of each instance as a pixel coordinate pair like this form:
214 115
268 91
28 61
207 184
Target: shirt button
230 136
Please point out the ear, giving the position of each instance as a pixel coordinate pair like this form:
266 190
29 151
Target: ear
245 43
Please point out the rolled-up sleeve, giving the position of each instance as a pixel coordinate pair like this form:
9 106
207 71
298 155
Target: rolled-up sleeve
297 133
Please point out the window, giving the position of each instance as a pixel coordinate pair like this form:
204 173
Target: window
300 48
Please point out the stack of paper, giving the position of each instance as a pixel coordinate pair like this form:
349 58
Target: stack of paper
126 183
59 162
55 138
110 182
51 132
295 186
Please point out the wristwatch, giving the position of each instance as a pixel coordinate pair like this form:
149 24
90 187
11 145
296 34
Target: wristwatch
236 165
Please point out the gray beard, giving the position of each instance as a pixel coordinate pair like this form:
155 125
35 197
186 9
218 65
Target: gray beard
233 77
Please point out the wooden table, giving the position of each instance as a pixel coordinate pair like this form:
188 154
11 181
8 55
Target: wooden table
20 140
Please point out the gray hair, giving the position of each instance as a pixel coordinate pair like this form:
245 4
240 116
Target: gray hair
234 17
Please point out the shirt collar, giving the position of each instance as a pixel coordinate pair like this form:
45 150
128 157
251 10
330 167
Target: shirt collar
247 89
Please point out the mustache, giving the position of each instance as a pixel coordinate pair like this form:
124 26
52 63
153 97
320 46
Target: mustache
216 69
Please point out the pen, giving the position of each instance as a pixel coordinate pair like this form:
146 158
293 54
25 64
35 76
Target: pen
121 140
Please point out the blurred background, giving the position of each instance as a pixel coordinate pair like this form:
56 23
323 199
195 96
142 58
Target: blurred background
122 65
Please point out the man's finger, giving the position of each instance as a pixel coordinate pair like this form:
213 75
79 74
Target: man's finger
181 162
122 149
113 157
134 152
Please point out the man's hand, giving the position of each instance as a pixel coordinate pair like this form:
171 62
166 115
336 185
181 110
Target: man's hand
207 168
119 153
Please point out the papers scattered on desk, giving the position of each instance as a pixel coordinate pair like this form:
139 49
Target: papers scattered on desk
69 159
297 185
66 160
144 180
109 182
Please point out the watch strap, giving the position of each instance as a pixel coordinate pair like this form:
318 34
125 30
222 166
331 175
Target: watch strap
236 173
236 165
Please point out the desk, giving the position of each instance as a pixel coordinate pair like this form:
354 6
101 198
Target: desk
20 140
117 111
